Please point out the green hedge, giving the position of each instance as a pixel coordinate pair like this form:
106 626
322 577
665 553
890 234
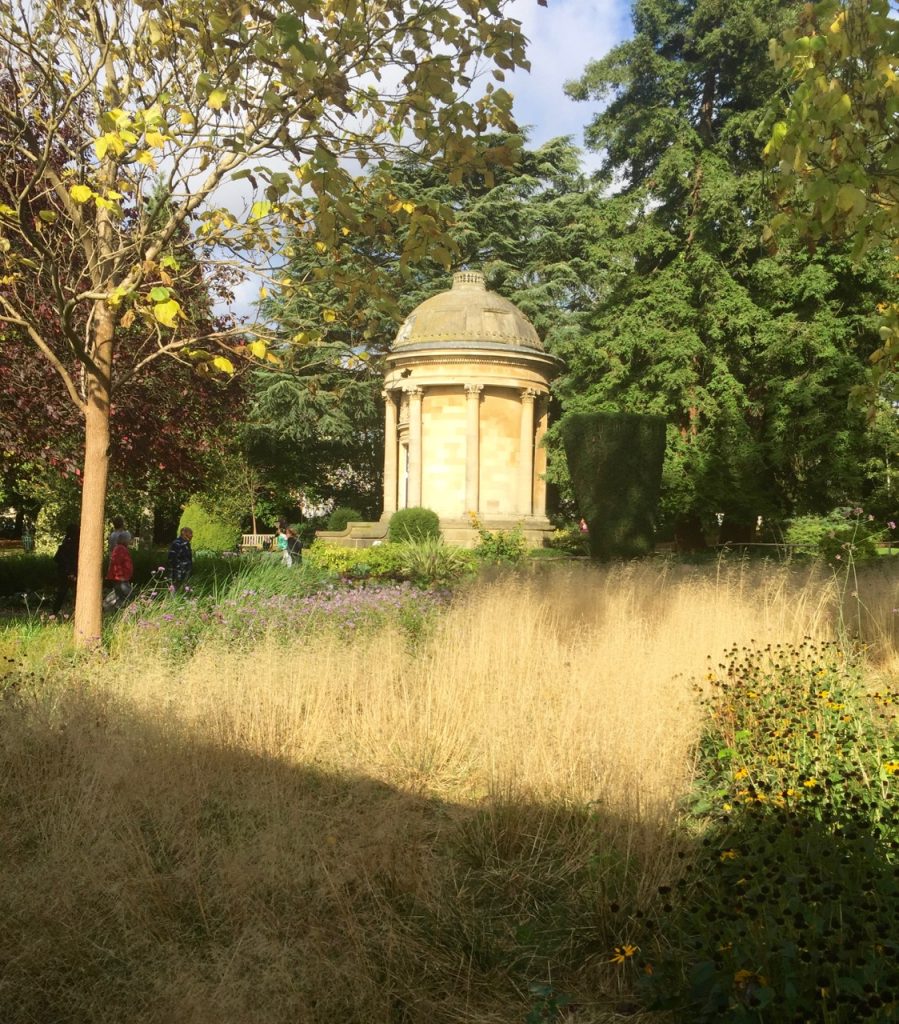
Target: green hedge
615 464
413 524
210 532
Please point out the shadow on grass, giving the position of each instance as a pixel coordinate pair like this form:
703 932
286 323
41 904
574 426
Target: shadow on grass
149 875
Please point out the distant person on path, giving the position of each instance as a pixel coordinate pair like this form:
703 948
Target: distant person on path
118 532
66 559
281 543
120 572
294 547
181 558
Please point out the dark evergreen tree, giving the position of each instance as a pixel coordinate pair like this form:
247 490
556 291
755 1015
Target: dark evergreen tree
750 354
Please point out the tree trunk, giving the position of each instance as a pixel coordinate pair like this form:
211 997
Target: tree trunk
91 549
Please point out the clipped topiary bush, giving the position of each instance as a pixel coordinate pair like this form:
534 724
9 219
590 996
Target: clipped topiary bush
210 532
615 463
413 524
341 516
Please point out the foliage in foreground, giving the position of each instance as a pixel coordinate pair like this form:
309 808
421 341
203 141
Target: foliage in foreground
793 911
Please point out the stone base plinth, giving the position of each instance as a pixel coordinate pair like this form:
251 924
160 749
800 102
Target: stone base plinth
459 531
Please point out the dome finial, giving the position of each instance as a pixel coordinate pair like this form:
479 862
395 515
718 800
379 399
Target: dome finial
469 279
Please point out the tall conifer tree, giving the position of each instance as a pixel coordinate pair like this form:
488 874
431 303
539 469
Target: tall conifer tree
750 354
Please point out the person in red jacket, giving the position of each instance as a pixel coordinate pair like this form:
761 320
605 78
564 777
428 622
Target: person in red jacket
120 571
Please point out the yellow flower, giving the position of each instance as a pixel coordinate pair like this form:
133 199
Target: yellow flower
808 783
891 767
741 773
728 855
824 694
623 953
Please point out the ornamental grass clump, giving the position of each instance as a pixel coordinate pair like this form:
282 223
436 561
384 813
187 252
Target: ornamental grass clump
792 908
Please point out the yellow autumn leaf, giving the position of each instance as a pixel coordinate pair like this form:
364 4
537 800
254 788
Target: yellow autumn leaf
216 99
320 247
146 157
408 207
186 117
344 231
101 145
7 211
167 312
263 292
155 139
81 193
223 364
112 194
258 349
329 316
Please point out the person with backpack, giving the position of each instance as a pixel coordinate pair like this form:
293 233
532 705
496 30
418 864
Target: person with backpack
120 572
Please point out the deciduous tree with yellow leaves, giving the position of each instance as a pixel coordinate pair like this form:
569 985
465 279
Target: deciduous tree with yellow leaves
835 146
122 121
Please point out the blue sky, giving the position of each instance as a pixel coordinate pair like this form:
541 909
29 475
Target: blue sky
564 37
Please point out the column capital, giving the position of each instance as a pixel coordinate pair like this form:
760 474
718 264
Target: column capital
473 390
414 390
529 394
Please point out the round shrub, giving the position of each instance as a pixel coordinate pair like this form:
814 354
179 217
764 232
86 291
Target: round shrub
413 524
341 516
843 535
210 532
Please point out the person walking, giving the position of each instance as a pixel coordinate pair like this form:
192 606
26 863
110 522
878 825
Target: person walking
118 532
66 559
181 558
281 543
120 572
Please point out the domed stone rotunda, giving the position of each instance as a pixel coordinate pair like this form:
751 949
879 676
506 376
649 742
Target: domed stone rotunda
466 400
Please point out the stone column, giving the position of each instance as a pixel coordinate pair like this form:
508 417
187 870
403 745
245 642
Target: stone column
526 454
540 457
473 447
415 453
391 454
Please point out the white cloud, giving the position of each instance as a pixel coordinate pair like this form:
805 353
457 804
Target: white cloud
564 38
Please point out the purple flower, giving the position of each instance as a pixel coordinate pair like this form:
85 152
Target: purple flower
891 525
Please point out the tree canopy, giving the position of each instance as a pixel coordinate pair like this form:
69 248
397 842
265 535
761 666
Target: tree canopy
121 123
835 147
749 354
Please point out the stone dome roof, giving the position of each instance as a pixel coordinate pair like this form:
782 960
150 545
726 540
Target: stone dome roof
468 313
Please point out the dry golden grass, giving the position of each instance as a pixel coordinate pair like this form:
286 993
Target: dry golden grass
350 832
